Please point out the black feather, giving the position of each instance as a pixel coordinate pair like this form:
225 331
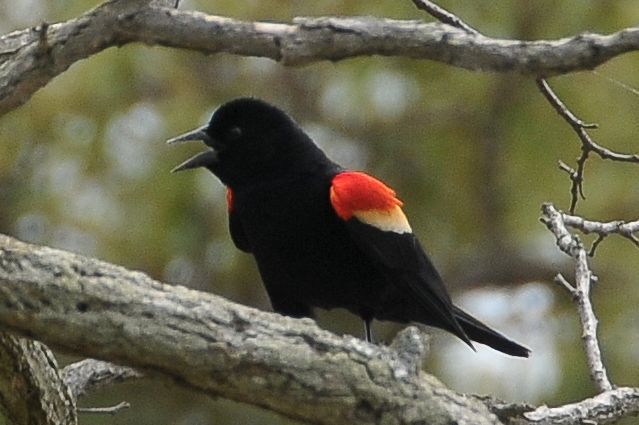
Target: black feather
477 331
307 255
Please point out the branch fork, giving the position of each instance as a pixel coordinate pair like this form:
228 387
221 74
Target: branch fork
571 245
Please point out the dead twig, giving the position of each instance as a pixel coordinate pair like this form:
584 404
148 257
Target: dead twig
444 16
603 229
571 245
587 143
89 375
111 410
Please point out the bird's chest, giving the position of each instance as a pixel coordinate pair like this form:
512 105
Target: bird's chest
301 247
288 218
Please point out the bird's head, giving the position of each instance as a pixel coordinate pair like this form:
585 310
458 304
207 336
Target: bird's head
248 139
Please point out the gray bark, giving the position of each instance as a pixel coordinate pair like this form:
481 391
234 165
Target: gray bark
91 308
31 389
30 58
88 375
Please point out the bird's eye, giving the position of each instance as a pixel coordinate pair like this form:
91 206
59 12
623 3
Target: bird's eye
234 133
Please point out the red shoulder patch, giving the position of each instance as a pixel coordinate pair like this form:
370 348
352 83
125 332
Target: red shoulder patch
229 199
358 195
353 191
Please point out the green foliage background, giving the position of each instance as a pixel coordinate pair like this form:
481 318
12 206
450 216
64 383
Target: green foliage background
473 155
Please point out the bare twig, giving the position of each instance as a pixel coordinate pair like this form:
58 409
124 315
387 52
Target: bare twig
576 176
572 246
578 125
561 108
559 278
624 401
587 143
576 190
444 16
602 229
595 244
88 375
589 321
619 227
112 410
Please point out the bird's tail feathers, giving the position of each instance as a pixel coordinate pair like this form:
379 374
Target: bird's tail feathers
479 332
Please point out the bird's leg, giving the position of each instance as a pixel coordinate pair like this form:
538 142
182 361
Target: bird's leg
368 332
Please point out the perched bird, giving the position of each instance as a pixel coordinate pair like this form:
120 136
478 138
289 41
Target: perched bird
323 236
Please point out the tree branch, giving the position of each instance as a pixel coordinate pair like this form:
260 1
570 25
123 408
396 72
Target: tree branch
95 309
30 58
571 245
596 410
91 308
444 16
587 144
31 389
603 229
112 410
89 375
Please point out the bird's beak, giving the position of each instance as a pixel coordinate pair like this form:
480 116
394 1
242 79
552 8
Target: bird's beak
197 134
202 159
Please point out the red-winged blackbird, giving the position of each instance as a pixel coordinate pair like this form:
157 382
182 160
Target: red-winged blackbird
323 236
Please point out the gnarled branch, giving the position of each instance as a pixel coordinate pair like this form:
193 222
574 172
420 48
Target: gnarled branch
89 375
95 309
30 58
31 389
205 342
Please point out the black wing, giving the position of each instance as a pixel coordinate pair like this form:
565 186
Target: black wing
406 265
237 232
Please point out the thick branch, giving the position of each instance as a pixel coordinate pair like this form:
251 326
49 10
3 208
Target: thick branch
31 389
29 59
92 308
95 309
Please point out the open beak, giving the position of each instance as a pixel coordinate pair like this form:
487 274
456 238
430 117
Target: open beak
197 134
202 159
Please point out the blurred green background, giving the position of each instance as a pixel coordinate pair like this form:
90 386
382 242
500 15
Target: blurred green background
83 167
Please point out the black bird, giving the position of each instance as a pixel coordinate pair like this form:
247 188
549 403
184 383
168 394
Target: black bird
323 236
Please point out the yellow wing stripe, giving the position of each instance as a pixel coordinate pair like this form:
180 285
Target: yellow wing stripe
392 220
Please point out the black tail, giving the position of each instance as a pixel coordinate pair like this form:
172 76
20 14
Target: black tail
481 333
